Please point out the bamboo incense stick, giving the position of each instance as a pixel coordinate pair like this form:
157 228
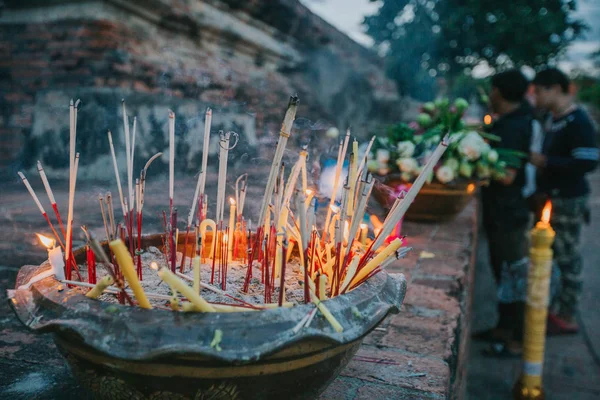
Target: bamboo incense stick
37 202
338 172
365 156
116 168
171 159
50 196
201 184
68 239
205 149
284 134
106 229
128 154
222 178
398 213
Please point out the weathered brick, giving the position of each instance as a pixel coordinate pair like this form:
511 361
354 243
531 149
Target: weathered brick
390 367
423 331
372 392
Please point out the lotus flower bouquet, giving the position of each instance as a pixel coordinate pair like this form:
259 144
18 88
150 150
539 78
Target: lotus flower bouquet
405 148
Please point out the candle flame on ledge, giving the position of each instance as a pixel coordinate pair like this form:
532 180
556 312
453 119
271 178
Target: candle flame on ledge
231 201
546 212
487 119
46 241
470 188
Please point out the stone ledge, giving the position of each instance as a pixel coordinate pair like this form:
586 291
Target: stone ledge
421 352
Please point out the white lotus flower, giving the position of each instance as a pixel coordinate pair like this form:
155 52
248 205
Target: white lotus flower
492 156
444 174
472 146
383 156
409 165
406 148
453 164
406 176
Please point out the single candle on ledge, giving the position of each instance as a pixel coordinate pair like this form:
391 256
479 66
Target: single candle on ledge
55 257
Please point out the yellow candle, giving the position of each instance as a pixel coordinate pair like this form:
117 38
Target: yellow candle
177 284
322 287
376 261
208 223
324 310
100 286
364 229
536 307
231 228
196 263
127 269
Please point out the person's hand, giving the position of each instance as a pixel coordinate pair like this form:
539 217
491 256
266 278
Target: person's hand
538 160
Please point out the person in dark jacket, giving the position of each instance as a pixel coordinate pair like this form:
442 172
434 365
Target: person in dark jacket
506 215
569 152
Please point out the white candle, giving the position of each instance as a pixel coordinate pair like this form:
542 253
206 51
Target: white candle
55 256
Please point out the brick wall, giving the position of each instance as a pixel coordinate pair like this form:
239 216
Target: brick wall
207 51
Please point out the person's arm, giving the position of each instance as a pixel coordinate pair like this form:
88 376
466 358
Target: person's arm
584 152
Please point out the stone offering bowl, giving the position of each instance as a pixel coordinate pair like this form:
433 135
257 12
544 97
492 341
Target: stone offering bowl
123 352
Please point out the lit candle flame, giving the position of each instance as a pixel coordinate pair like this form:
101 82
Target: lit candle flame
46 241
309 192
363 226
487 119
231 201
546 212
470 188
335 209
225 237
154 265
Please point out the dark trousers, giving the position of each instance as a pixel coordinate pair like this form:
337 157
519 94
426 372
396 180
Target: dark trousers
507 248
568 217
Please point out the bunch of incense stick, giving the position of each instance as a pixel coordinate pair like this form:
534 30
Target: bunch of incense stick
332 257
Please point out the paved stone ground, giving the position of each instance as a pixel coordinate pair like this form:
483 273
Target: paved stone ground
417 354
572 365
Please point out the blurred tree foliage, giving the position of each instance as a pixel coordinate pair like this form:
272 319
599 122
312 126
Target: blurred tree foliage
425 39
589 86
